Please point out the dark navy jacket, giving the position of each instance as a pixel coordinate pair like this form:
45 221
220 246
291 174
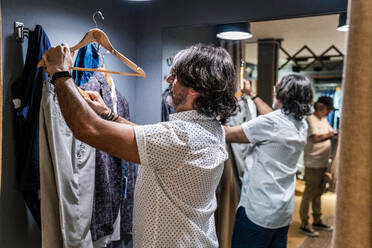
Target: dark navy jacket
27 91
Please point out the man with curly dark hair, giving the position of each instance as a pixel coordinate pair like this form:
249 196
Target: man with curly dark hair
278 138
181 161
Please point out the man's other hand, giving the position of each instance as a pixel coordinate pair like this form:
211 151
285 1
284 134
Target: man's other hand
247 88
96 102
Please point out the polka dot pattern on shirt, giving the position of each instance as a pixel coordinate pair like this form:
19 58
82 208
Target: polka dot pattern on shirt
181 166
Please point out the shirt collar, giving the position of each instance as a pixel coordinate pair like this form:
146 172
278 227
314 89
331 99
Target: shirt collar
189 116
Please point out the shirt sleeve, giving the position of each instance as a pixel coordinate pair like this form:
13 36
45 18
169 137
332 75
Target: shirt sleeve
161 146
311 126
259 130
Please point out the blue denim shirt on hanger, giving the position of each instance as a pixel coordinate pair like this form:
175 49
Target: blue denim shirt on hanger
87 57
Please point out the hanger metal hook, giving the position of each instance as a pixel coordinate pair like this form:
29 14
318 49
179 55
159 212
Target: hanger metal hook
94 17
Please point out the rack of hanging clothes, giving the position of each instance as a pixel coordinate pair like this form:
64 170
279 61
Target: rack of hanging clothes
114 178
79 196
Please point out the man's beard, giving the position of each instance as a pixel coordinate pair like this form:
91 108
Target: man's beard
174 100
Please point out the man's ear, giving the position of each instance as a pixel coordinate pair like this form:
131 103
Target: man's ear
193 92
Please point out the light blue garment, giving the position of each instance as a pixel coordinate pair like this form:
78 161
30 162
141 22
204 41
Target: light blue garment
269 182
67 169
87 57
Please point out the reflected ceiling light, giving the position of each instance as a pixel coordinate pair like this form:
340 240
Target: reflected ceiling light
343 26
234 31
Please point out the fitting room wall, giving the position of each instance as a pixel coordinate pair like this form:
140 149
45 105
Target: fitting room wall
64 21
176 39
156 15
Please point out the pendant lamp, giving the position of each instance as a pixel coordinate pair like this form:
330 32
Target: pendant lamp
343 25
234 31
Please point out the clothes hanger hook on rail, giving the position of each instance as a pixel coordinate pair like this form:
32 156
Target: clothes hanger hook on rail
95 22
94 17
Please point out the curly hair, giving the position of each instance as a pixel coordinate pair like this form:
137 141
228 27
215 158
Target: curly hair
210 71
295 94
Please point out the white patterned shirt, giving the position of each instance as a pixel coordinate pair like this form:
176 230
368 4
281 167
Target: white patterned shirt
181 166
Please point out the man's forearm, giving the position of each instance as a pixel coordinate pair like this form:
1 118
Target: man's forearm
114 138
74 107
75 110
235 134
262 107
320 138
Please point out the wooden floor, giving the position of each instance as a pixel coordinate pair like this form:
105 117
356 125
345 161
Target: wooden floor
295 238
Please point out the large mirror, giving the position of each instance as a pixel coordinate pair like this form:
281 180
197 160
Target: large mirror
311 47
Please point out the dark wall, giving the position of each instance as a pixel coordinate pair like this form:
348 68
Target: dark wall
64 21
176 39
155 16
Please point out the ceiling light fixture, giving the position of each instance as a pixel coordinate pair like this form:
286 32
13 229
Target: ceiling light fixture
234 31
343 25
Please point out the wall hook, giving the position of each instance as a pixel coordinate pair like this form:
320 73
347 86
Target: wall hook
20 32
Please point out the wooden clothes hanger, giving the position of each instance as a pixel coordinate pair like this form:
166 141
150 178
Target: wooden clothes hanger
241 79
108 77
97 35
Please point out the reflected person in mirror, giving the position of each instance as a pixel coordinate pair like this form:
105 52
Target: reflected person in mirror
278 137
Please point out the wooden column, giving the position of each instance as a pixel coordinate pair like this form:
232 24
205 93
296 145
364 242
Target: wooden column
353 222
267 68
